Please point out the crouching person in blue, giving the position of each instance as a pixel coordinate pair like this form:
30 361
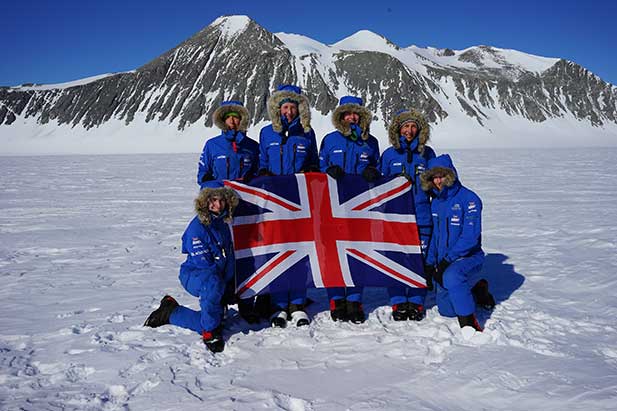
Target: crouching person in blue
349 150
409 156
231 155
455 253
288 146
208 271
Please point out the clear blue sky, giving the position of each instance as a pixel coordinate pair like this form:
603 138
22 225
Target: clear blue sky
45 41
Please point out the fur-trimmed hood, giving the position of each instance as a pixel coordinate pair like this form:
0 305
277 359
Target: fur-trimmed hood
218 118
404 116
353 105
202 200
439 165
294 93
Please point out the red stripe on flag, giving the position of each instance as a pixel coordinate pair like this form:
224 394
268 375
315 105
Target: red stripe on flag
266 270
381 197
385 268
262 195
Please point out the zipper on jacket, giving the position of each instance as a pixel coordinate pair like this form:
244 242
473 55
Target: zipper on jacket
227 161
355 168
344 159
281 161
293 164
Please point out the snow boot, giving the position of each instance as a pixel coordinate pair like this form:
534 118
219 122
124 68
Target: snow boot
298 315
246 310
400 312
482 296
160 316
355 313
214 340
469 321
263 306
279 319
338 310
415 312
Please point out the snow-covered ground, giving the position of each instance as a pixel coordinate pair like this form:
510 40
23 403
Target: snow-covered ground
89 244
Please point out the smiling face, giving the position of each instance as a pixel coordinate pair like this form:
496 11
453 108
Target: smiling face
216 205
439 181
350 118
409 130
289 110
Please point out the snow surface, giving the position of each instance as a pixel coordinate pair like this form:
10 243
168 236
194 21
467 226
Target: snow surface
231 25
89 244
68 84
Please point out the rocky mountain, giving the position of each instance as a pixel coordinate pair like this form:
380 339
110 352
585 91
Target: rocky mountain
236 58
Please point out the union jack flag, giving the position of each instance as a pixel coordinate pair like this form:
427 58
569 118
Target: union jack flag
310 230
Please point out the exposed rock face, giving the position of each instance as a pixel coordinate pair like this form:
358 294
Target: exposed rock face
235 58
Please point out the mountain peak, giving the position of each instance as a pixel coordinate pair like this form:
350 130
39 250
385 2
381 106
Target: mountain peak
365 40
231 25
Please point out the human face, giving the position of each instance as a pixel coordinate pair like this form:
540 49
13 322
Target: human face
232 122
351 118
216 205
409 130
289 111
438 181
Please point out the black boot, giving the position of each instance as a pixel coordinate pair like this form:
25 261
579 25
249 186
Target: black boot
245 307
355 313
214 340
416 312
338 310
469 321
263 306
160 316
400 312
279 319
482 296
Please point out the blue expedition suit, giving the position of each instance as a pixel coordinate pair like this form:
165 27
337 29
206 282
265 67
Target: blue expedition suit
222 160
288 152
394 162
457 238
353 157
207 271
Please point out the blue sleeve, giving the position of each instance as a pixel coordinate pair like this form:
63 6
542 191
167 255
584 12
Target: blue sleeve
323 156
375 157
313 159
255 162
384 164
471 230
204 165
429 153
431 254
263 152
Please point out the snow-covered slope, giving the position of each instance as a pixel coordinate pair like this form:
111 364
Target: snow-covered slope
89 244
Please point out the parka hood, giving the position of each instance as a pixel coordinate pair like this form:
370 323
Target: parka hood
353 105
218 118
439 165
402 117
203 199
285 93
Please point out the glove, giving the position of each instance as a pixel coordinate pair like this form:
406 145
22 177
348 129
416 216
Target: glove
246 178
264 172
207 177
441 268
335 172
371 174
429 272
310 169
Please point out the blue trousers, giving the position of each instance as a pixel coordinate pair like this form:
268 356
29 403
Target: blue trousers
350 293
282 300
401 294
454 298
210 290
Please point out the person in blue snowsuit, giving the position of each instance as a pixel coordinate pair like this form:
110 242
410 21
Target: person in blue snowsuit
288 146
455 255
350 149
409 156
232 155
208 271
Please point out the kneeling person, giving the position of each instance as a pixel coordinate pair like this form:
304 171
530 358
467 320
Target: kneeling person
208 271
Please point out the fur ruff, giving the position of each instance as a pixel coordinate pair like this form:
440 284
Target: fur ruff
427 177
395 127
365 119
218 118
304 109
203 199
